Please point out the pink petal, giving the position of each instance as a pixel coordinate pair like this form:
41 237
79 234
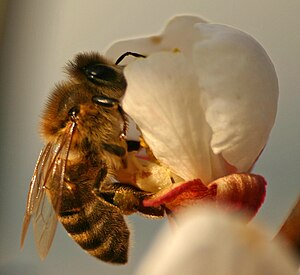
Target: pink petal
181 194
239 193
242 193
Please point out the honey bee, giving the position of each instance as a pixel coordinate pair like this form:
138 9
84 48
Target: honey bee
74 180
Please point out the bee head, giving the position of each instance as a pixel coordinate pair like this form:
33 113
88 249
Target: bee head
101 75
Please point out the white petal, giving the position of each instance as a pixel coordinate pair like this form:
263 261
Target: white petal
240 92
163 98
207 242
179 34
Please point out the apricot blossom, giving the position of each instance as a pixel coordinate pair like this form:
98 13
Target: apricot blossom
205 100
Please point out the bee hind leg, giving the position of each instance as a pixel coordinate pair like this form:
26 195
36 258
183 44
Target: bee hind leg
130 199
126 197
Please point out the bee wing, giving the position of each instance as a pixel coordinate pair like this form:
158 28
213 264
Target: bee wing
35 189
45 192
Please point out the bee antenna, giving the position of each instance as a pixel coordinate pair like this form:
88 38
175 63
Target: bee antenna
129 53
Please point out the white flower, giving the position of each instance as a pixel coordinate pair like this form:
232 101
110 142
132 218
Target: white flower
205 98
210 242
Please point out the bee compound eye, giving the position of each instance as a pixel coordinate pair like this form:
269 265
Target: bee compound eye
105 101
96 73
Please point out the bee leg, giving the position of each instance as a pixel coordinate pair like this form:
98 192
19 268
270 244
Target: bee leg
130 199
115 193
127 198
101 189
100 179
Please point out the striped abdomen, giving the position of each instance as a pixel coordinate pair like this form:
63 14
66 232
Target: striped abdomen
97 226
